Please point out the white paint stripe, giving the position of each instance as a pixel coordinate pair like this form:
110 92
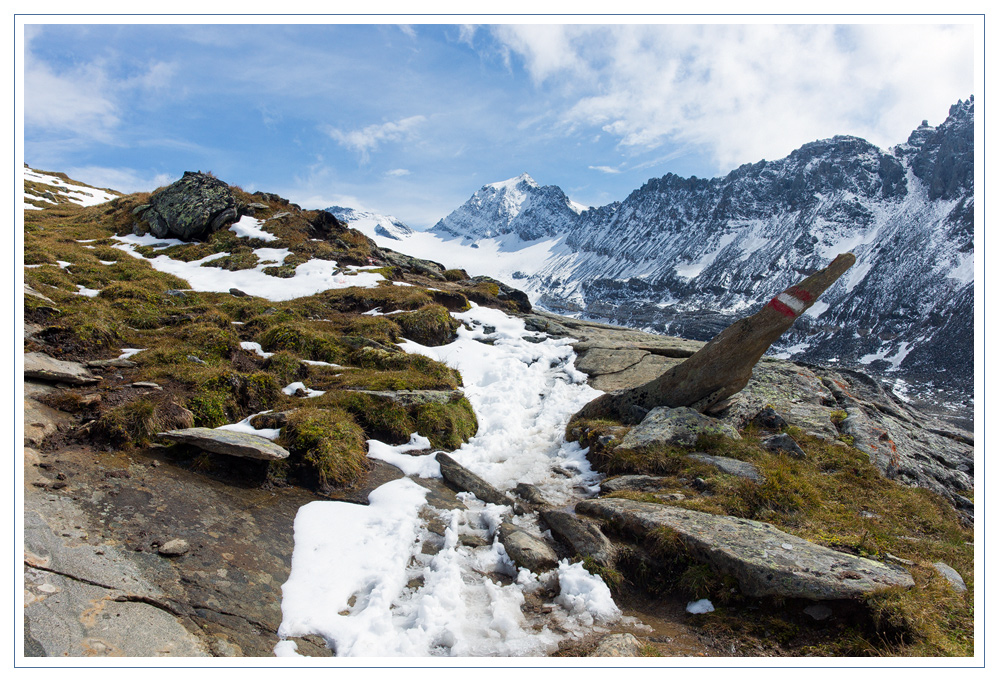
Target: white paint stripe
796 305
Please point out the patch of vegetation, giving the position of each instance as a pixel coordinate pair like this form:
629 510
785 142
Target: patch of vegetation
430 325
329 443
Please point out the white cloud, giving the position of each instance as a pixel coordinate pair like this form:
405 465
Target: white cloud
408 30
605 169
86 99
367 139
397 172
124 180
747 92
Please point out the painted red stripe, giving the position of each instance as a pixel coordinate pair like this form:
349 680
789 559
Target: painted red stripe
800 294
781 308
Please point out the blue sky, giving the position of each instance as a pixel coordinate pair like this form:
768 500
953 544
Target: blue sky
411 119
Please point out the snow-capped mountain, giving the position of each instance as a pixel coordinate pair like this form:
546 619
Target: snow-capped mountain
687 256
372 224
517 206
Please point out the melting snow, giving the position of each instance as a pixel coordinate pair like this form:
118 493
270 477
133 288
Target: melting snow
295 386
245 427
368 588
249 227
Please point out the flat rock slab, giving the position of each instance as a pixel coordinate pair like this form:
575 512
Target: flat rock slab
40 366
227 443
730 466
765 560
675 426
634 482
618 645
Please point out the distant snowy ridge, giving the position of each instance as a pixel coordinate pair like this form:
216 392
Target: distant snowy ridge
372 224
688 256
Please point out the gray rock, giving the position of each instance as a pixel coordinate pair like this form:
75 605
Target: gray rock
464 480
174 547
633 482
783 443
227 443
769 419
111 363
583 537
527 550
414 397
764 560
953 577
675 426
191 208
40 366
618 645
730 466
532 494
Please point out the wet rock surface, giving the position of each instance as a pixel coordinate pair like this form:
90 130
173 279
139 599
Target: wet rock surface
764 560
526 549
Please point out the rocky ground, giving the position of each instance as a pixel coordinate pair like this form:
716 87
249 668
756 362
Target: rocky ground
817 511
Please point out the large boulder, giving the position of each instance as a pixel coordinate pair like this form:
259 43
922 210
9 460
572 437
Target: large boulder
41 366
763 559
191 208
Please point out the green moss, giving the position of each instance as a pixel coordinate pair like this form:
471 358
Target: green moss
329 443
447 426
431 325
455 274
285 367
240 260
303 339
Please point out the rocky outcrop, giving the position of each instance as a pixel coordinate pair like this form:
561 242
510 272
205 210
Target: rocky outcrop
190 208
722 367
676 427
227 442
763 559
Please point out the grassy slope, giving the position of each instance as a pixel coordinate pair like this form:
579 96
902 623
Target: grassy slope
191 340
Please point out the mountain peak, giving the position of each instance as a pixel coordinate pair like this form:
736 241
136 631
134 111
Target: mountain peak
513 183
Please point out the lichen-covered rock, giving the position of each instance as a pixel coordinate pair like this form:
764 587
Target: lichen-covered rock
675 426
618 645
763 559
192 207
783 443
732 466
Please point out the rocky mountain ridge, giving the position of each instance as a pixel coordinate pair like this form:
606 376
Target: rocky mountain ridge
687 256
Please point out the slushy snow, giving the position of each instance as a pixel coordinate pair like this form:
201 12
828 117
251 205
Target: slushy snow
373 581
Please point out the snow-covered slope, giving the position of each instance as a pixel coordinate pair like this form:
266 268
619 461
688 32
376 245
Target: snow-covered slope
689 255
518 206
372 224
43 189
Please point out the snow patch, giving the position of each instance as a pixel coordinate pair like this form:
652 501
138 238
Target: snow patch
249 227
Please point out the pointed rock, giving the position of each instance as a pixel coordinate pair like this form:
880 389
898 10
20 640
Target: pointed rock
464 480
583 537
724 365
